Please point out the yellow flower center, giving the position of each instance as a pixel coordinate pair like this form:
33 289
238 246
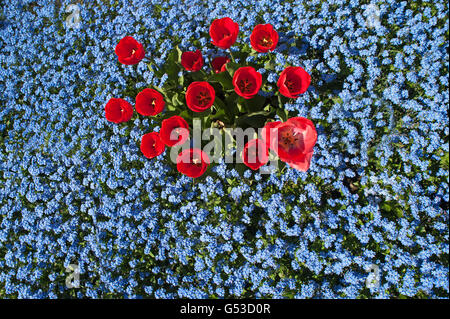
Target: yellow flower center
266 42
288 139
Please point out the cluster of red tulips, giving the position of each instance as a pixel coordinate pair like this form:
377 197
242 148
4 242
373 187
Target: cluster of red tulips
292 140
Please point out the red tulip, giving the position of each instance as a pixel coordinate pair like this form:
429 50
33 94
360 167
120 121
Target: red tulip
129 51
151 145
174 130
219 63
200 96
192 61
292 141
247 82
303 163
192 162
223 32
255 154
268 129
118 110
149 102
264 38
293 81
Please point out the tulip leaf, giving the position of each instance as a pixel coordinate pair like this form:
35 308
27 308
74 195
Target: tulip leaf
231 108
255 120
181 80
269 65
155 70
180 99
231 67
224 79
186 115
179 52
225 112
240 106
283 114
220 114
219 103
175 100
282 100
171 107
171 66
197 76
256 103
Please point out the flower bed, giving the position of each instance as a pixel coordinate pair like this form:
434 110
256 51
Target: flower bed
80 190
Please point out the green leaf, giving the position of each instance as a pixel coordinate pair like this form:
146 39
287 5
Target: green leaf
187 115
386 207
283 114
179 52
244 53
231 67
163 91
219 103
240 106
171 67
175 100
181 80
255 120
269 65
282 100
399 212
171 107
153 68
197 76
180 99
224 79
445 161
256 103
222 112
232 106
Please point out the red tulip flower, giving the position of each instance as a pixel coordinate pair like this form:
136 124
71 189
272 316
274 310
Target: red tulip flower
247 82
192 61
264 38
174 131
151 145
219 64
303 163
223 32
129 51
192 162
292 141
255 154
200 96
118 110
293 81
149 102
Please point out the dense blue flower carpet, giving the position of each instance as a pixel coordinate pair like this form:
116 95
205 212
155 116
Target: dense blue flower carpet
368 219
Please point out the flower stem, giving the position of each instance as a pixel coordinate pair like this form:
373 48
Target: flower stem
136 72
204 73
232 57
152 62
